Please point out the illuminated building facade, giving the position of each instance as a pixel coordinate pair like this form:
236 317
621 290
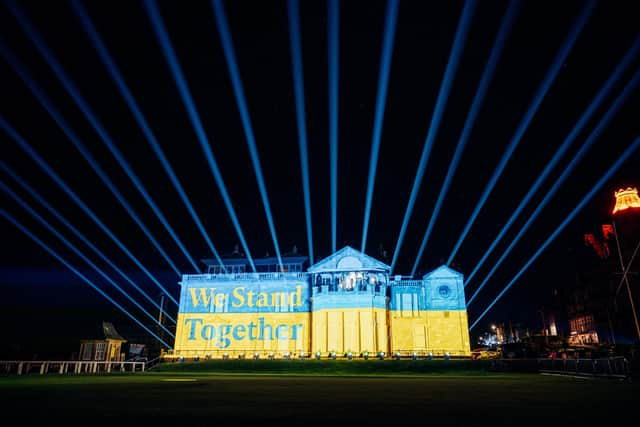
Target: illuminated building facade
626 199
346 303
105 348
602 306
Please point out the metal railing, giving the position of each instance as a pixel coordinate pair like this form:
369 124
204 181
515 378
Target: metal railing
245 276
611 367
404 282
20 367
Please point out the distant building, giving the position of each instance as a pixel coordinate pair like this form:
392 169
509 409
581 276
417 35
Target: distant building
602 307
345 303
106 345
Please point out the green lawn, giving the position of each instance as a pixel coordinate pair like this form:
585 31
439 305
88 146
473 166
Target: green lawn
192 398
358 367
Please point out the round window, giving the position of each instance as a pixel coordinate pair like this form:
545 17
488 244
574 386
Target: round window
444 291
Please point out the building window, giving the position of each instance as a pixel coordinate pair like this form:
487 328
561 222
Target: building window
100 350
86 351
407 307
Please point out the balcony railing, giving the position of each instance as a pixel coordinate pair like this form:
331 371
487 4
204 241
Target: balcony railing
246 276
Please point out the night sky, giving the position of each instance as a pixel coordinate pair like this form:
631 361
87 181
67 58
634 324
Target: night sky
42 300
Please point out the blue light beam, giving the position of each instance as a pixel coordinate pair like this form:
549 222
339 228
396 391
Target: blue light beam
298 89
234 73
441 102
82 104
524 124
54 254
113 70
75 250
60 182
586 116
634 146
333 30
174 66
565 173
483 86
383 84
33 193
62 123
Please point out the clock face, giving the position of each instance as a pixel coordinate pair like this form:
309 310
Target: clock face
444 291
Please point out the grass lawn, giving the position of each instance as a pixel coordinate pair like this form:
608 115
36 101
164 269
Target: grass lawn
194 398
358 367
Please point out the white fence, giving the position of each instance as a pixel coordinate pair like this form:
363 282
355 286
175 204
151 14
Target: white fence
42 367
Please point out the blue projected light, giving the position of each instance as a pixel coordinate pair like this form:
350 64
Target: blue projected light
60 182
234 73
172 60
61 122
443 96
102 51
483 86
586 116
383 85
33 193
634 146
565 173
99 128
333 30
298 89
33 237
524 124
75 250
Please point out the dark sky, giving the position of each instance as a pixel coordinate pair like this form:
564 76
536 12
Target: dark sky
38 285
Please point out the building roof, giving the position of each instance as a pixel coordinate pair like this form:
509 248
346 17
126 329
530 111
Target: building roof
210 262
106 332
442 272
348 259
110 332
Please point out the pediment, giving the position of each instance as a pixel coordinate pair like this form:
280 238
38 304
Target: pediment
443 272
348 259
